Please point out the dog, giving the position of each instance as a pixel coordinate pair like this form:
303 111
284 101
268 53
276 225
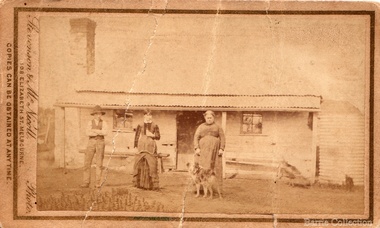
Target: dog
292 174
205 178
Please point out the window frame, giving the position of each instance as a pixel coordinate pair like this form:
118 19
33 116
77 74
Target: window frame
127 114
242 132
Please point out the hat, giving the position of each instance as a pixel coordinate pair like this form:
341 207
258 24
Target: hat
97 109
209 112
147 111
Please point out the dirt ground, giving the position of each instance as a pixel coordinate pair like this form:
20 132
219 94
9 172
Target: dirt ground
58 189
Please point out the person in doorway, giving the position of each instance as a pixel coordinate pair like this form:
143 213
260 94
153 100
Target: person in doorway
145 170
209 143
96 130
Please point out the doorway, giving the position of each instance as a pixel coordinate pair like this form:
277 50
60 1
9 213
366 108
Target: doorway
187 123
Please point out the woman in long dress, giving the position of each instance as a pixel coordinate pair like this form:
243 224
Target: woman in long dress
209 143
145 170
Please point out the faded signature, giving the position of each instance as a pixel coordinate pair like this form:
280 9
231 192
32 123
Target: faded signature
32 96
30 196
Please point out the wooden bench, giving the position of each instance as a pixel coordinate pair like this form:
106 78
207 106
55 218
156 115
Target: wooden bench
128 154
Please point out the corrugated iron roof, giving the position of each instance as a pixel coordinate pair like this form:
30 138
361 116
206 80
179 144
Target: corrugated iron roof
117 99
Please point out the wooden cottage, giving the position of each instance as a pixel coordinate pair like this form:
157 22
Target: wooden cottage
261 130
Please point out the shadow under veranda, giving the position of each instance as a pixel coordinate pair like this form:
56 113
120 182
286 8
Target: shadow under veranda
240 196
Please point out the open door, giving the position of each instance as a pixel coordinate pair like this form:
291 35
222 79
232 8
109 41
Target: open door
187 123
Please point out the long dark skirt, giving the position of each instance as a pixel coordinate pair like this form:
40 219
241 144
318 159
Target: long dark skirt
145 174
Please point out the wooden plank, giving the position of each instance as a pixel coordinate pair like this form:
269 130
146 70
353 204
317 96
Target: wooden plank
358 159
351 165
358 171
357 141
355 171
330 133
355 148
342 175
269 164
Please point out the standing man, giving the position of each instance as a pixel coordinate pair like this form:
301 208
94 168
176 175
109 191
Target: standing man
96 130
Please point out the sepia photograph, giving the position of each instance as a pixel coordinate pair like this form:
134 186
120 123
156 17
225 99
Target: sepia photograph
137 110
214 112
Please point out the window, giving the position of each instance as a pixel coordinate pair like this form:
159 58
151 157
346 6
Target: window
123 120
252 123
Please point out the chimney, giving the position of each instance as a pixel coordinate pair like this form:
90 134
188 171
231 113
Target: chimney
82 44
